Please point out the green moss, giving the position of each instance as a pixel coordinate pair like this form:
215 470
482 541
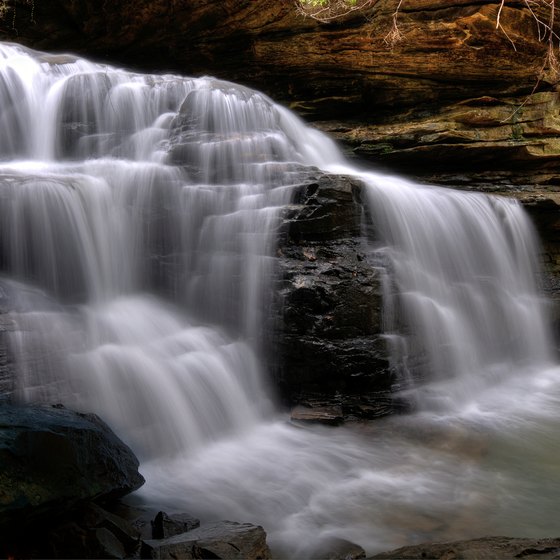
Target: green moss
517 133
380 148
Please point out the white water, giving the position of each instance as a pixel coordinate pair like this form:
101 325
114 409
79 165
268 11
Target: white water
137 224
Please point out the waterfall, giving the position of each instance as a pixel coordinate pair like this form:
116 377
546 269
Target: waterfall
138 216
464 269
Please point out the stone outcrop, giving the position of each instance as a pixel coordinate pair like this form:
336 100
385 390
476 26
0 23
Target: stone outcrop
333 363
223 539
471 142
334 360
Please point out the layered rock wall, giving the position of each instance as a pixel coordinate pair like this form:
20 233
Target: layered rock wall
456 95
446 52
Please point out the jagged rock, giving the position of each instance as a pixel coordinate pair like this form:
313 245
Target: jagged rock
51 459
165 526
122 530
487 548
84 531
222 539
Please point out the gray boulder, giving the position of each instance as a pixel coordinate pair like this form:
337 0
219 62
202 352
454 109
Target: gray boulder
223 539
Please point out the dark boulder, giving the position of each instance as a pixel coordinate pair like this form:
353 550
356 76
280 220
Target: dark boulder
52 459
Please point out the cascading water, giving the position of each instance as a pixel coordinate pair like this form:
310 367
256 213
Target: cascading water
464 267
137 224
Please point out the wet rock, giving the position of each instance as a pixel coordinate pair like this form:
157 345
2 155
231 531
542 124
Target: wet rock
329 337
7 373
222 539
126 534
330 415
52 459
487 548
165 526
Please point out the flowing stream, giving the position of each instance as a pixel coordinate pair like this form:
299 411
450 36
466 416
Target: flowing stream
138 216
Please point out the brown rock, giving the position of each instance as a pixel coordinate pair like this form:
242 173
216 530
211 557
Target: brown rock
330 415
446 52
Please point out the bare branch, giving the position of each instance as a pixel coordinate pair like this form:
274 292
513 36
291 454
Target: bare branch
394 35
544 14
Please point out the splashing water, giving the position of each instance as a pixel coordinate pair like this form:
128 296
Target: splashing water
137 229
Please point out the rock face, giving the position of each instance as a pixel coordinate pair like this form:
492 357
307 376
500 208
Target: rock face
446 52
470 142
334 358
52 459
